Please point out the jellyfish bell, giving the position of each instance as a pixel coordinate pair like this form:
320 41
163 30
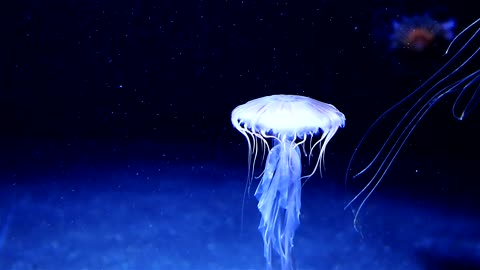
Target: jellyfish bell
289 121
459 76
418 33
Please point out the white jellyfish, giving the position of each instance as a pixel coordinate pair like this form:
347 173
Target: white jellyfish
289 121
460 76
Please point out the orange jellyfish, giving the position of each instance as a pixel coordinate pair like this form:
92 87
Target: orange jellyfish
459 76
289 121
418 33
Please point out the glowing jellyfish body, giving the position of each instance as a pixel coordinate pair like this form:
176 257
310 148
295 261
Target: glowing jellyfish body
289 121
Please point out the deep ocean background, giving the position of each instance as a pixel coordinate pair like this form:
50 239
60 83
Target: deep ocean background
117 150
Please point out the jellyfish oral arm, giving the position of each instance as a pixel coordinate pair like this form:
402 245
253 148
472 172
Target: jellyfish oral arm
279 202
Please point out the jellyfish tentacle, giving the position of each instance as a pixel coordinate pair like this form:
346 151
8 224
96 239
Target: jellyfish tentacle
473 99
461 34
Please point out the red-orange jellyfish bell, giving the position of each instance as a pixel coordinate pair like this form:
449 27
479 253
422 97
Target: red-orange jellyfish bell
289 121
418 33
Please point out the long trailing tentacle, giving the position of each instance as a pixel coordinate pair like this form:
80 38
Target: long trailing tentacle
392 153
322 144
473 81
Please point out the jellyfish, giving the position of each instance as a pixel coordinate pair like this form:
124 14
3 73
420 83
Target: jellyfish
290 122
459 76
418 33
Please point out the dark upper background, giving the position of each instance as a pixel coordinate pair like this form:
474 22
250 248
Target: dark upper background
172 71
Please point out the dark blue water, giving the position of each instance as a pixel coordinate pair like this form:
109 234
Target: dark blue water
117 150
146 205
